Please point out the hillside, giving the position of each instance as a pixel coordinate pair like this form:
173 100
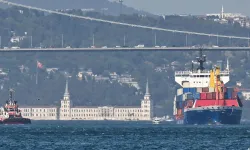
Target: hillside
113 8
158 67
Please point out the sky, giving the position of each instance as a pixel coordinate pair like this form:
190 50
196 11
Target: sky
195 7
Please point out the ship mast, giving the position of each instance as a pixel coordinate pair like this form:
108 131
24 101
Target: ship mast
11 95
201 59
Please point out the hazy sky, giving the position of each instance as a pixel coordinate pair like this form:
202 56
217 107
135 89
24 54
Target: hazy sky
190 6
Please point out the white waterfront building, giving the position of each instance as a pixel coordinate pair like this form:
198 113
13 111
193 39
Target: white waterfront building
67 111
40 112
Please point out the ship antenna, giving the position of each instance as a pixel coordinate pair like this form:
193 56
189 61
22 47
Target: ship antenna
11 95
201 59
192 66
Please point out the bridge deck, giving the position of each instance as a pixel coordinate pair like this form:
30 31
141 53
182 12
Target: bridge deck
124 49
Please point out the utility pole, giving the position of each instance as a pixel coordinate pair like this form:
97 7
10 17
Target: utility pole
62 41
51 42
124 40
0 41
217 40
31 42
120 1
248 40
93 40
186 40
155 39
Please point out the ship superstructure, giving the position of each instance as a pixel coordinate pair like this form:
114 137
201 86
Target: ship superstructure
199 77
204 98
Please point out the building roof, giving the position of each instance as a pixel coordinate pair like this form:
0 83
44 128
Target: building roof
38 106
84 107
106 106
127 107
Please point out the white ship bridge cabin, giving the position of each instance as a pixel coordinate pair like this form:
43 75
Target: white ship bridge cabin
199 77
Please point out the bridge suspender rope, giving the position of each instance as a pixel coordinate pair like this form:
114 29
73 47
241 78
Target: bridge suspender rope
123 24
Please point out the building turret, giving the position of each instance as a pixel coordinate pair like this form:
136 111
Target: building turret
222 13
147 94
66 95
65 110
147 105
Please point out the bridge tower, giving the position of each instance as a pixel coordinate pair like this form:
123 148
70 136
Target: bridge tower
120 1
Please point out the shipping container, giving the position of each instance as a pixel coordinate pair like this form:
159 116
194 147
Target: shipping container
197 95
185 90
225 89
230 90
189 90
179 98
206 89
229 95
192 90
179 104
209 95
199 90
203 96
234 95
226 95
189 96
211 89
179 91
213 95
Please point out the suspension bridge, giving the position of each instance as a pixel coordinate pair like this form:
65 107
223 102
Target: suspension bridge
129 25
125 49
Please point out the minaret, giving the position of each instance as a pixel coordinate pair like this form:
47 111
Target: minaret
222 12
147 94
227 65
66 95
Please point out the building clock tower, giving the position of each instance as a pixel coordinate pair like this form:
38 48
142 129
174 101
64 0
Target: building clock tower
147 105
65 110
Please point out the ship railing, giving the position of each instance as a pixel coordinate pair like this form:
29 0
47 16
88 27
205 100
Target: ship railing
183 73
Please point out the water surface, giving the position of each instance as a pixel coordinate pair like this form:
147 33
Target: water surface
81 135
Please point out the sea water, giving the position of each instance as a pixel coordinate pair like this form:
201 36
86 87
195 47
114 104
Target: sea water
89 135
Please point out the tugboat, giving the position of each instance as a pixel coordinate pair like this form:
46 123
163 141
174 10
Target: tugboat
10 114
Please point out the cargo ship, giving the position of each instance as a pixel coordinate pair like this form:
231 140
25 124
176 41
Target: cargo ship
10 114
204 98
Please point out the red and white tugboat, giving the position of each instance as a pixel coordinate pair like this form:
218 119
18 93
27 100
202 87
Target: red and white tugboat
10 114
